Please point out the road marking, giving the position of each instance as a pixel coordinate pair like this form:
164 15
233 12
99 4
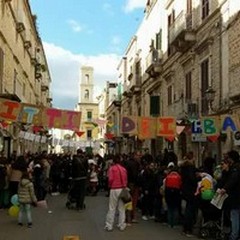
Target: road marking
71 238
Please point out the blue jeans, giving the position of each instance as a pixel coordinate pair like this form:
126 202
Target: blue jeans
25 208
235 221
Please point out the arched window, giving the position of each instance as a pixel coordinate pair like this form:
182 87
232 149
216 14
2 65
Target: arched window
87 78
86 94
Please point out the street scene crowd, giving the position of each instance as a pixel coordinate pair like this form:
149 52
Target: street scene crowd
163 188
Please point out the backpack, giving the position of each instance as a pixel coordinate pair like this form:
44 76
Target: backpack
173 180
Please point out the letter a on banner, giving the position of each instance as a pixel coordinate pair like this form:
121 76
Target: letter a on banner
129 125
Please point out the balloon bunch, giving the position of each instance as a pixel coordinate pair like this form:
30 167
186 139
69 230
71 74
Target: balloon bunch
14 209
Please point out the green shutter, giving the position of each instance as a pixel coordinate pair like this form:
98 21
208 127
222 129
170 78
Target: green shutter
154 105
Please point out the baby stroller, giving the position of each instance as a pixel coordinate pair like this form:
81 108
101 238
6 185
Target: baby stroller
212 221
72 196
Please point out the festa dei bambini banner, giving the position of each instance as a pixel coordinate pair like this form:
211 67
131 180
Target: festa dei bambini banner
150 127
13 111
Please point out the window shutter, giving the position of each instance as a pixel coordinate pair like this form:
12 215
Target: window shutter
159 40
1 69
154 105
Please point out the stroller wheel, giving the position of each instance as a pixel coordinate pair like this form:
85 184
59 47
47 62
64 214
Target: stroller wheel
220 235
68 205
204 233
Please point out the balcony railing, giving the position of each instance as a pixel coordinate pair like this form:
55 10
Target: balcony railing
154 56
154 62
181 28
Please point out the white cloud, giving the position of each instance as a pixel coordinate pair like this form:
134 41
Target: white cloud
65 70
131 5
75 26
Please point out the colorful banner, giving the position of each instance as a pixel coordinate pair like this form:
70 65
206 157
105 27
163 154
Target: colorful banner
39 116
146 127
166 126
129 125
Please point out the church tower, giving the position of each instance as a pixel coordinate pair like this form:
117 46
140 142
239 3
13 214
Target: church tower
88 107
86 86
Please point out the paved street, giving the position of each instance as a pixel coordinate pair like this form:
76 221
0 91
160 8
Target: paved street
88 224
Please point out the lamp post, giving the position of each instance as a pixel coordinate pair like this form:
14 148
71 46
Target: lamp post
210 95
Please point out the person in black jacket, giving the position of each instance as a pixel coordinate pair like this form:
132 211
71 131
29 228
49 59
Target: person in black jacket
133 167
79 176
232 188
189 186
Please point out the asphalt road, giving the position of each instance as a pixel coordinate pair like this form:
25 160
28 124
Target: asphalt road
87 224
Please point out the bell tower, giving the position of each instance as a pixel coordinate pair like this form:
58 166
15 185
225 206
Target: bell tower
86 85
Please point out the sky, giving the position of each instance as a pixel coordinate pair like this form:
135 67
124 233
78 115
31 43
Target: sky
84 32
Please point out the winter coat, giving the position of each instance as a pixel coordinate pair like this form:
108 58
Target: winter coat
189 180
79 168
26 192
117 176
232 187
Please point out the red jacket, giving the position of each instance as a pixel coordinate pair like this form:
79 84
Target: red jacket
117 176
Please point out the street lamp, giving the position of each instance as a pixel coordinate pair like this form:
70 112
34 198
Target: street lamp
210 96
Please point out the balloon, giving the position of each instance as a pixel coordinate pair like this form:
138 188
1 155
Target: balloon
14 199
13 211
207 194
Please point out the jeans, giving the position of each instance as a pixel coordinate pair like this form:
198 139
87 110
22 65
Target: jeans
80 188
25 208
235 221
189 216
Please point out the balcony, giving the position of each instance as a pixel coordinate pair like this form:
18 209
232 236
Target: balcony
27 44
135 83
181 34
154 62
44 88
38 75
20 27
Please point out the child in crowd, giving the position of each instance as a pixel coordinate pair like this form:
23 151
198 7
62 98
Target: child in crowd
129 209
26 197
93 179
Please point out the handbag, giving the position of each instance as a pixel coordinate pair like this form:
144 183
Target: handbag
124 195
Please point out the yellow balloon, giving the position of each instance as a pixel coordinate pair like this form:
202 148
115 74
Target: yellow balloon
13 211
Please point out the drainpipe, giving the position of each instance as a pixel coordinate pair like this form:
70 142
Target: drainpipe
220 78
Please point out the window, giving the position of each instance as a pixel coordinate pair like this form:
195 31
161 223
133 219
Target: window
89 133
86 78
188 87
154 105
15 79
204 84
170 94
171 18
205 9
89 115
24 89
159 40
86 94
189 6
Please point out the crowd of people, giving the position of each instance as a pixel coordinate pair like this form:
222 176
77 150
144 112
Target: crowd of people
174 191
165 189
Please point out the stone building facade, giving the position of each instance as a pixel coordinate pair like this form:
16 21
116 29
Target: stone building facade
24 74
181 51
